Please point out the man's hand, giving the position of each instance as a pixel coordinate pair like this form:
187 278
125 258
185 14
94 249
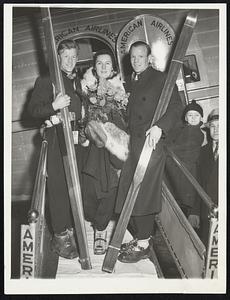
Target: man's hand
154 134
194 220
61 101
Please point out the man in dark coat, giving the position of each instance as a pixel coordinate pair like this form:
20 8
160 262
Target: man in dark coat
208 172
145 93
45 105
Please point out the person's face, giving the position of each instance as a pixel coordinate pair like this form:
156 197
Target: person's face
68 59
104 66
139 58
214 130
193 117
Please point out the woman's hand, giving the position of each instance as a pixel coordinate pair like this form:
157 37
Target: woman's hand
154 134
61 101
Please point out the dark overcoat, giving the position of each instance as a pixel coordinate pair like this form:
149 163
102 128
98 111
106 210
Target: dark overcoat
186 142
143 100
40 107
208 178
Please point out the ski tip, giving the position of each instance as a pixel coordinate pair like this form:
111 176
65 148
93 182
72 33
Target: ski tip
85 264
106 269
110 259
191 18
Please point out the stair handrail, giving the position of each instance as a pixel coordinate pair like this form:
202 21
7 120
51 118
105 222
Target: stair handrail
213 208
38 196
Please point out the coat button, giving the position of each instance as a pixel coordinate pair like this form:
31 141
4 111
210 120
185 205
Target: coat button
143 98
140 117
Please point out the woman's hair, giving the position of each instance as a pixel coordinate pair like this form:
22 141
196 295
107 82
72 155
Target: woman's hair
105 52
67 44
140 43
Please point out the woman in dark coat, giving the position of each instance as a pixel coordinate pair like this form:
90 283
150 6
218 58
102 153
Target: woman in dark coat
44 106
100 171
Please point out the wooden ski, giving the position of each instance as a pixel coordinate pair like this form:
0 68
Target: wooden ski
175 65
70 161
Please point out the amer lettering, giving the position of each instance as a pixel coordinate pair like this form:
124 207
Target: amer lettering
27 271
27 258
212 257
27 247
127 33
93 28
28 235
215 240
212 274
216 229
213 263
101 30
164 29
27 251
214 252
66 32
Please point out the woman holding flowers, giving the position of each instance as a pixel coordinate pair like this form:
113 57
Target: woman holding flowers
104 135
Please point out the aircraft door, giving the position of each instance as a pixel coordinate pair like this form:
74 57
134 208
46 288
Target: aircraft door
88 46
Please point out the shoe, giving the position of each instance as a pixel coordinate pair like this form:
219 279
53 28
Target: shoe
100 242
130 244
64 244
134 254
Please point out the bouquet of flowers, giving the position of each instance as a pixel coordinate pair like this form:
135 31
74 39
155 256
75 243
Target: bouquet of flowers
105 113
104 96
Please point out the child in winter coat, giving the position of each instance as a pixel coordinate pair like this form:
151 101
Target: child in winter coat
186 142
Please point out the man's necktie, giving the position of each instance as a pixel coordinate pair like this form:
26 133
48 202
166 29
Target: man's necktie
71 76
215 153
135 76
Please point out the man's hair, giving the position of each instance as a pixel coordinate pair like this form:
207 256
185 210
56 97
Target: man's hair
67 44
140 43
105 52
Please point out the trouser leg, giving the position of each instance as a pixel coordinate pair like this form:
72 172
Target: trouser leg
132 227
97 211
90 202
105 210
143 226
138 249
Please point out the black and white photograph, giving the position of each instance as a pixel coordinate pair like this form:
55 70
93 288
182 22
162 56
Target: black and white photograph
115 148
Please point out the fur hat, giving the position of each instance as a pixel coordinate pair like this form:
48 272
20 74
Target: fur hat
193 106
214 115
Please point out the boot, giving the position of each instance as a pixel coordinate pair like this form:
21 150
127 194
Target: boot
100 242
64 244
126 246
133 255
